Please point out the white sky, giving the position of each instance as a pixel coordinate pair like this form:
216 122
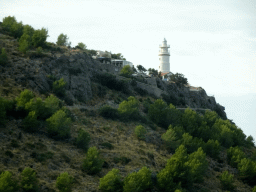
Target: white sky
213 42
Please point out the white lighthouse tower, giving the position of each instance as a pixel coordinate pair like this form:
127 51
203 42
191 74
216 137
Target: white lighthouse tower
164 57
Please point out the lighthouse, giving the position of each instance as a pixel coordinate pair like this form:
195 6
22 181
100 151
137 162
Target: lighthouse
164 57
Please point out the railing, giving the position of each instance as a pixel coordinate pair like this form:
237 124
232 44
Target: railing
161 45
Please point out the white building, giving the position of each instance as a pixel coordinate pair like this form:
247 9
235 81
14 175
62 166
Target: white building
121 63
164 57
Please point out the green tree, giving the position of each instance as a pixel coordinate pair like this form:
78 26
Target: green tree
58 125
197 165
64 182
247 170
170 139
11 25
212 148
39 37
24 43
254 189
62 40
175 171
227 181
235 155
37 105
83 139
7 183
27 29
179 79
141 69
29 182
24 97
140 132
59 87
117 56
126 71
111 182
157 112
129 109
3 57
52 104
153 72
138 181
92 164
8 22
30 123
81 46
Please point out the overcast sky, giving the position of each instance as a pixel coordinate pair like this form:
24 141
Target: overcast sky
212 42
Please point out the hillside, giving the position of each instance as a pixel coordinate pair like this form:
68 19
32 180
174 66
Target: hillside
190 148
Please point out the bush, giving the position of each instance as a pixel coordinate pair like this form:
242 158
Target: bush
235 155
7 184
83 139
247 170
58 125
24 97
64 182
170 139
11 25
3 57
129 109
140 132
92 163
227 181
212 148
39 51
29 182
39 37
30 123
59 87
52 104
138 182
62 40
24 43
109 112
126 71
111 182
37 105
254 189
81 46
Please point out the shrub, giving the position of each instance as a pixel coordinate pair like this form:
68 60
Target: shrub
59 87
3 57
81 46
62 40
157 112
83 139
129 109
30 123
24 43
197 165
254 189
126 71
64 182
29 182
235 155
24 97
212 148
8 22
92 163
138 182
170 139
109 112
39 37
7 184
39 51
11 25
227 181
37 105
247 170
58 125
140 132
52 104
111 182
